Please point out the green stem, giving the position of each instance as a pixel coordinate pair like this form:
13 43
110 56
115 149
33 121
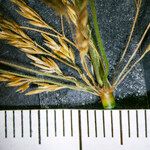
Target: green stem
98 36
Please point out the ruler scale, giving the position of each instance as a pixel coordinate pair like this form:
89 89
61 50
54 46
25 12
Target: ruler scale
129 124
22 131
121 131
80 130
112 128
30 122
145 113
5 124
39 126
74 129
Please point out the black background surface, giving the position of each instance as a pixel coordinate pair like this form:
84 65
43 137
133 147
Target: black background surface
115 17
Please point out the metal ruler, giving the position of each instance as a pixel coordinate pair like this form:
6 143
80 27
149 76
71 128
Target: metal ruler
74 129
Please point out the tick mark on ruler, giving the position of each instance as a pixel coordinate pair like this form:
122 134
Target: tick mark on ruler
39 126
13 123
30 123
103 117
71 122
129 133
95 119
80 130
137 124
22 127
112 126
63 120
5 124
121 131
47 127
55 124
145 114
87 116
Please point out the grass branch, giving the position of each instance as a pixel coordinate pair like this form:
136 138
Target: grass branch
50 34
132 56
38 72
131 33
37 79
62 77
48 53
85 67
84 78
62 25
130 69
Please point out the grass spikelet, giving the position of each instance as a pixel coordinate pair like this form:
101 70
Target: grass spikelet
82 36
61 49
46 64
44 87
23 88
58 5
24 83
15 36
29 14
16 81
148 48
64 8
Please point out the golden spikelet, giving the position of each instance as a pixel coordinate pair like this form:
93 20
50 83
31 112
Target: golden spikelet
24 83
65 8
82 35
29 13
72 14
61 49
58 5
15 81
46 64
15 36
23 88
49 42
44 87
148 48
138 3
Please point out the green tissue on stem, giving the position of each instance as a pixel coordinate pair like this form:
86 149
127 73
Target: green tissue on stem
98 36
96 65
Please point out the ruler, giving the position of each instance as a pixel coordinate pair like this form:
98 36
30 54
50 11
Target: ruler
74 129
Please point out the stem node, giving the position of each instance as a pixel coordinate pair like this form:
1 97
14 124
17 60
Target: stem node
107 98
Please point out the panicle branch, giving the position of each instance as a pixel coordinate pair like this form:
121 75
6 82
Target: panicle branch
131 57
23 83
138 6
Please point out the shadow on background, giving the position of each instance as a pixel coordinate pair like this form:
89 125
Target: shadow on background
128 103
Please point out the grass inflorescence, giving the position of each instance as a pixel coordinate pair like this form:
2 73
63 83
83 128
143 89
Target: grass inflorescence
58 48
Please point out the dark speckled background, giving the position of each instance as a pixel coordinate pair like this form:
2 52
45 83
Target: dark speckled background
115 18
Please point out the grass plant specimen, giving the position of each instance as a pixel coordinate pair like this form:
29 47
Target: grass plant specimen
59 48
